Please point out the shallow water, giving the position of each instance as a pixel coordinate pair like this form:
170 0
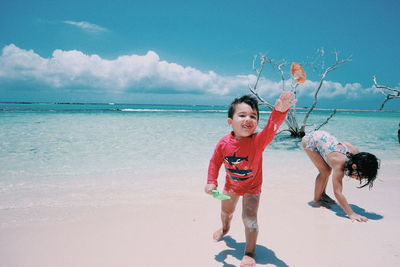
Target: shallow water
89 155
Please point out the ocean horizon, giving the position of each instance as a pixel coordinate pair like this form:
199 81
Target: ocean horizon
5 106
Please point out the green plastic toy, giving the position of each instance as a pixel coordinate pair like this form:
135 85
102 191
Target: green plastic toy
219 195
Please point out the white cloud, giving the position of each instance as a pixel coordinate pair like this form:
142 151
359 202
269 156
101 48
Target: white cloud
86 26
139 73
330 89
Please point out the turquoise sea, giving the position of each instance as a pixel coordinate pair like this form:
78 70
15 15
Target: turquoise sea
86 155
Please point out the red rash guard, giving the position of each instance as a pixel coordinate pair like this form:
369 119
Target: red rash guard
243 158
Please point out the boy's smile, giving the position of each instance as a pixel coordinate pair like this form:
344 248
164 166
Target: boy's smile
244 121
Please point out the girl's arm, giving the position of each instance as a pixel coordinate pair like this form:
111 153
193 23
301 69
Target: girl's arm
352 148
337 178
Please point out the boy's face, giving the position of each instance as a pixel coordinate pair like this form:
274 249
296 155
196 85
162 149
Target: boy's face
244 121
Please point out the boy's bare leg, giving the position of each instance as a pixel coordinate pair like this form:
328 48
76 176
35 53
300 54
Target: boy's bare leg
250 210
227 209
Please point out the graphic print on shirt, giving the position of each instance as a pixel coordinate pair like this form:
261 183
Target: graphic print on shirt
234 172
233 160
240 172
237 178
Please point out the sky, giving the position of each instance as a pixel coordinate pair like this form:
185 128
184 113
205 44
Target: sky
197 52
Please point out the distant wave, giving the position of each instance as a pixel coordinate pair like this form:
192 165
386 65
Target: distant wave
112 110
169 110
179 110
109 107
144 110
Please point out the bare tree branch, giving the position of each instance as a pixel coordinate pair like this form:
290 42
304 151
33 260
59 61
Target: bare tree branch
291 119
253 89
387 98
323 76
388 95
280 66
384 87
326 121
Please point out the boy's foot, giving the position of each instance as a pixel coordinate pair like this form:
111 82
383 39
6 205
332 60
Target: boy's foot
219 234
248 261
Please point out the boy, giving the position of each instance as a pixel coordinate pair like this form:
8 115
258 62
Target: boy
241 152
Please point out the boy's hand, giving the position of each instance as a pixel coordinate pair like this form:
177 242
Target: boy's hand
209 188
284 102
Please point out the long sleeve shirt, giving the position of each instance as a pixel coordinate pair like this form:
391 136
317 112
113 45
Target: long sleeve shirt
242 158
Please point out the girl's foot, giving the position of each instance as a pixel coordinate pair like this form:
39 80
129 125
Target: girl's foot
219 234
319 204
327 199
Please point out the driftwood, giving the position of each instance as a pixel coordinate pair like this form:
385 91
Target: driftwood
388 92
291 120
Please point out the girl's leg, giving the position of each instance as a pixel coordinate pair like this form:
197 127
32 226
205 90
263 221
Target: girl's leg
322 178
227 209
249 215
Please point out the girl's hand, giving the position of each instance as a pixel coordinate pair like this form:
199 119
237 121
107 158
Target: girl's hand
356 217
284 102
209 188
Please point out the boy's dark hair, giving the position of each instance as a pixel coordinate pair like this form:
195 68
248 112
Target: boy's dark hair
249 100
367 167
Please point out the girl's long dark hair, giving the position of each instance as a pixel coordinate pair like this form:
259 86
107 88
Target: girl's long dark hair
367 167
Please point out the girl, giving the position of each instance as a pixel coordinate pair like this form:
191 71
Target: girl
331 156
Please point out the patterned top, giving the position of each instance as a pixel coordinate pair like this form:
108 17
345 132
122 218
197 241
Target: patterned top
324 143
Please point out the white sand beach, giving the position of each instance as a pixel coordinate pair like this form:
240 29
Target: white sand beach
175 228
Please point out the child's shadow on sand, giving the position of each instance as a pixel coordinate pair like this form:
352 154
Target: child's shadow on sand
339 211
264 255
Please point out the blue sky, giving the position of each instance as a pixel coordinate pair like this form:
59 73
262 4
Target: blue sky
194 52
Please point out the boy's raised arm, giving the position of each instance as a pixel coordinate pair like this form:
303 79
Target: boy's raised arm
284 102
276 118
